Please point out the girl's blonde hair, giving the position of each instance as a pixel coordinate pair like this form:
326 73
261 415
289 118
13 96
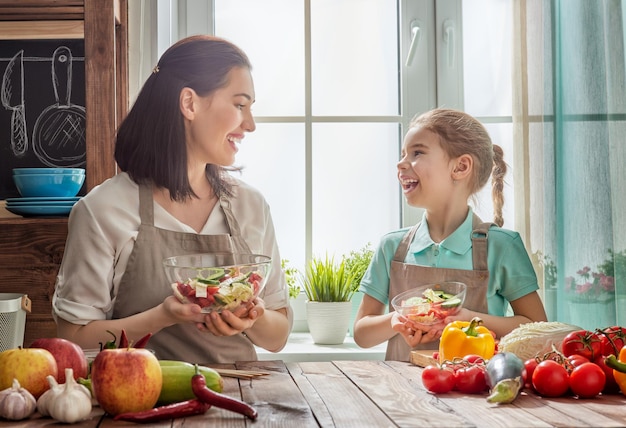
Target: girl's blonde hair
460 134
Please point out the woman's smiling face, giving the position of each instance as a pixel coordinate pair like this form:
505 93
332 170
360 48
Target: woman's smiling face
221 120
424 171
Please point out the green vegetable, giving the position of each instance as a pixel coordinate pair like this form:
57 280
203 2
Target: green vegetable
177 381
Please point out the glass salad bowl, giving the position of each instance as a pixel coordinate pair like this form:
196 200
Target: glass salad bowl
217 281
430 304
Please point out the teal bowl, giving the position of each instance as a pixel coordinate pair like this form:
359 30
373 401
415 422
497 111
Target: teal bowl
21 171
49 185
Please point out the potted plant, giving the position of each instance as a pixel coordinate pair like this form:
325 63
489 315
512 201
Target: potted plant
328 286
297 297
357 263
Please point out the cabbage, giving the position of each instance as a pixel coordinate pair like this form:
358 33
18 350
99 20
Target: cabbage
535 338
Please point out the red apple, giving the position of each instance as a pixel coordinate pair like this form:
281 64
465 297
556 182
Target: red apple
30 366
67 355
126 380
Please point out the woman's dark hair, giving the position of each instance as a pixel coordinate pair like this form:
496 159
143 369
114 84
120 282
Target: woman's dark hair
150 143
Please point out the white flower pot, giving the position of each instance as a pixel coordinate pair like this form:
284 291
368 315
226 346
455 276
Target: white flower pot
328 321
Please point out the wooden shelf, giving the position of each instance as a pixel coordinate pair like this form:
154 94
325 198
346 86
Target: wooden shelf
31 249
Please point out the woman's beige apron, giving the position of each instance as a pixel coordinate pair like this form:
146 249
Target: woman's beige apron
405 276
144 286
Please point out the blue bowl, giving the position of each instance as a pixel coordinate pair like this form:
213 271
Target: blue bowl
21 171
49 185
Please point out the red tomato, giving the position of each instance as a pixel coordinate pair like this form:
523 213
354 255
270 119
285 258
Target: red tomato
582 342
587 380
610 385
550 379
576 360
613 340
474 359
438 380
530 366
470 380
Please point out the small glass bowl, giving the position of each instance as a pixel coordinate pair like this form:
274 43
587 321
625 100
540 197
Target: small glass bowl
430 304
217 281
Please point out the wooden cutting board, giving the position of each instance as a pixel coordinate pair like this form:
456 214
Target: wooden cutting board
422 358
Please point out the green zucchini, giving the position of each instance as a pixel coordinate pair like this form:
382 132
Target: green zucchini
177 381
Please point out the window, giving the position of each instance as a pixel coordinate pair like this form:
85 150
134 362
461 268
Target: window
336 88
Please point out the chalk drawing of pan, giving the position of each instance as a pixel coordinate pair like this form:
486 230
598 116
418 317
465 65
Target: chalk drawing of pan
12 97
59 132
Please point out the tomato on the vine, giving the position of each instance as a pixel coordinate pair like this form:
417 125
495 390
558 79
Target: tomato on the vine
582 342
610 384
550 379
470 379
530 366
587 380
474 359
576 360
612 339
438 380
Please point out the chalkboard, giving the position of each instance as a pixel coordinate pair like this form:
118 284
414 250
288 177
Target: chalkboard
42 113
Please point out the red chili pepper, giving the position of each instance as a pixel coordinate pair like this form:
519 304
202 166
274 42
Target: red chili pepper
141 343
207 395
175 410
123 340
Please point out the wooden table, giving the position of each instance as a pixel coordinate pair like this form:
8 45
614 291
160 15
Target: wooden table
375 394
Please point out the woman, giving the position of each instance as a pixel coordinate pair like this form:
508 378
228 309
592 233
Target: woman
174 196
448 157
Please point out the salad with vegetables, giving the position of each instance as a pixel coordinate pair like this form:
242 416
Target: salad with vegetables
432 307
223 289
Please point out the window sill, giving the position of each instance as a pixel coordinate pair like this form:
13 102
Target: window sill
301 348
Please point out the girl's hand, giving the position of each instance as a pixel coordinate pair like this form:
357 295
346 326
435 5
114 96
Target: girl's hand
414 334
229 323
462 315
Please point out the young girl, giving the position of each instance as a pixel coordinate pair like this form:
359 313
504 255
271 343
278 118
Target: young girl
447 157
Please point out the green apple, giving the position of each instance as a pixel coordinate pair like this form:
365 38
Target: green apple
126 380
30 366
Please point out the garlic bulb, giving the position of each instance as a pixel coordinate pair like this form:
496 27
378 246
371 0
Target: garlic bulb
44 399
16 403
73 401
54 403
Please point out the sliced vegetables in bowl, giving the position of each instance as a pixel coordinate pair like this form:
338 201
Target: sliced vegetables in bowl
430 304
217 281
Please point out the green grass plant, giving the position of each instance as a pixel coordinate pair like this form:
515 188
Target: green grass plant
325 280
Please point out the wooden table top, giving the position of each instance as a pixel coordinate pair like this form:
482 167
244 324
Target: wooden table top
374 394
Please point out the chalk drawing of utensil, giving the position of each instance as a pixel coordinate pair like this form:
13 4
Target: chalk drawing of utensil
12 95
59 132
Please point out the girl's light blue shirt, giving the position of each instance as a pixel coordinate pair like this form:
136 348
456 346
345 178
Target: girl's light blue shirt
511 273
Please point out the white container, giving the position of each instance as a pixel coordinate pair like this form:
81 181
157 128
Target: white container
13 308
328 321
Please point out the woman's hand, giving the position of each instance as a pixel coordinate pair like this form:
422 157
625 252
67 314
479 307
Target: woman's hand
229 323
415 334
179 312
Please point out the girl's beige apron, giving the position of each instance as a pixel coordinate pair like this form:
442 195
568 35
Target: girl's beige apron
405 276
144 285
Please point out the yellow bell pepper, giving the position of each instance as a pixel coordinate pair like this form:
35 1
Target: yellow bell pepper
619 368
461 338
